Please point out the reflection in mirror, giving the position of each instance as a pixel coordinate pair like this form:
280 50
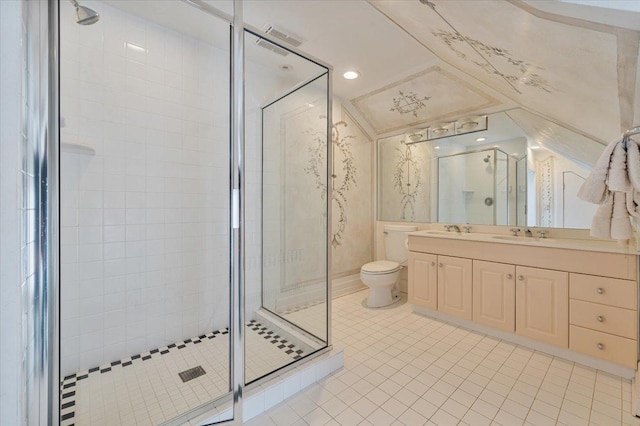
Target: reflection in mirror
523 170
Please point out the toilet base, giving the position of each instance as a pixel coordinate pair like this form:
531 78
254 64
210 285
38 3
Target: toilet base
380 297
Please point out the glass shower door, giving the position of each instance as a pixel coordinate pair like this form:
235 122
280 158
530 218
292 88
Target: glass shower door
145 159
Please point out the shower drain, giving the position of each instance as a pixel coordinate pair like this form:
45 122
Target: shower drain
192 373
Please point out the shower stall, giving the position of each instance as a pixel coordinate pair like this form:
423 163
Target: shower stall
193 164
477 187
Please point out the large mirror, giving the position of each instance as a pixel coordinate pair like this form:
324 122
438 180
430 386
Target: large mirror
522 170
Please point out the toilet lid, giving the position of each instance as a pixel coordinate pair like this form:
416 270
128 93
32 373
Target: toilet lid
380 267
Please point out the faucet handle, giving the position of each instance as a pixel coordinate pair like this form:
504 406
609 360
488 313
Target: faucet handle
447 227
543 233
467 229
514 231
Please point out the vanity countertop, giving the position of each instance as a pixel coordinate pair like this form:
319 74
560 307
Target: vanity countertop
608 246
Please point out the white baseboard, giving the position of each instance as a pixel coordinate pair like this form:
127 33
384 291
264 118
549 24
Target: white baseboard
567 354
339 287
346 285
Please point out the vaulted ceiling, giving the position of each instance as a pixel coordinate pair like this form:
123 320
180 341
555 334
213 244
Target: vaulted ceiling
574 65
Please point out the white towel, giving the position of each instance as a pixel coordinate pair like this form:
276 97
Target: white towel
620 225
633 163
614 183
594 189
618 175
601 223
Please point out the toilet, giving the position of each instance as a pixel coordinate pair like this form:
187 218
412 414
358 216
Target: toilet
382 276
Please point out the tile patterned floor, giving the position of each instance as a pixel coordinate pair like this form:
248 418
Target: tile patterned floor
146 389
310 318
405 369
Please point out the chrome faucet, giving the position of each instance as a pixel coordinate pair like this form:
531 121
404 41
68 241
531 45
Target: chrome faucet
528 233
514 231
467 229
450 227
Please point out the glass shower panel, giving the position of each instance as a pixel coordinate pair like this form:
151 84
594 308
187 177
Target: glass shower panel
466 189
502 188
286 207
145 158
521 191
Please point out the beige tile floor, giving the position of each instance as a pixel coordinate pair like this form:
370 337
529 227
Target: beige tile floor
405 369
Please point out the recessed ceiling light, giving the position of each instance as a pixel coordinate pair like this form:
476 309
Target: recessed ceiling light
534 147
351 75
311 105
481 139
436 147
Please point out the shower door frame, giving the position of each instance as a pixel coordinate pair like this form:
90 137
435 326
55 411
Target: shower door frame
47 339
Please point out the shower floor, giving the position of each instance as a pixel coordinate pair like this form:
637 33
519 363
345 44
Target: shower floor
146 389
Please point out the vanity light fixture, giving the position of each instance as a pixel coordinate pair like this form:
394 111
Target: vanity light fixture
441 130
481 139
351 75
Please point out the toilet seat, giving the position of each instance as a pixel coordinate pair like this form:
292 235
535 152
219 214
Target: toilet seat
380 267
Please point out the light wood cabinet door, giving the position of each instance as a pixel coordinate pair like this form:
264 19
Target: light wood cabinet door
494 295
423 280
542 305
454 286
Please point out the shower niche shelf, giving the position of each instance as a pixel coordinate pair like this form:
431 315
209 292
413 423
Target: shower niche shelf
77 147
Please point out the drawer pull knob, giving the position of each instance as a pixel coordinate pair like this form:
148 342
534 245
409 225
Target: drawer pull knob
433 263
600 290
600 346
509 276
440 265
600 318
521 277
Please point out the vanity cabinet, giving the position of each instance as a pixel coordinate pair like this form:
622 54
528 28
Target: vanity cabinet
542 305
576 302
454 286
494 295
423 279
603 318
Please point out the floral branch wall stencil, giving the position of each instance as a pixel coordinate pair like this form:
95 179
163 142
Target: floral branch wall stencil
407 180
409 103
525 73
341 184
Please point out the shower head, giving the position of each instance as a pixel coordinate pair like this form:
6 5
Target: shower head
84 15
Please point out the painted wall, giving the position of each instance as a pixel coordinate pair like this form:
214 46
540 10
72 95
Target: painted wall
403 180
144 218
352 216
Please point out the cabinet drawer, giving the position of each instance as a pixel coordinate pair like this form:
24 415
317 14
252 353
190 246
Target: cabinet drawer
618 350
608 319
608 291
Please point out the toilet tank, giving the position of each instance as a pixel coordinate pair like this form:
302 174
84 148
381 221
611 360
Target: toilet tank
395 241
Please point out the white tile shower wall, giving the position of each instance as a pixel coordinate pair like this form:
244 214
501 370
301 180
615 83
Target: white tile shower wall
11 105
144 219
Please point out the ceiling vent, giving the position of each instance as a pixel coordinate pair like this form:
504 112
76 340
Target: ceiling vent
283 36
280 35
272 47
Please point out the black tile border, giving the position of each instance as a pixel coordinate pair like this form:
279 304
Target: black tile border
68 384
